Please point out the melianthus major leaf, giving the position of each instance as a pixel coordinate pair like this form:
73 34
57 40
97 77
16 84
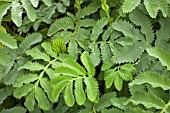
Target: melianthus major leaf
161 54
147 99
37 54
32 66
66 71
130 5
95 55
128 53
47 2
118 82
152 7
92 88
86 60
30 101
29 9
57 90
68 94
3 9
128 30
72 64
48 49
105 101
16 13
15 109
8 40
34 3
5 58
40 96
155 79
145 24
25 79
105 52
79 92
29 41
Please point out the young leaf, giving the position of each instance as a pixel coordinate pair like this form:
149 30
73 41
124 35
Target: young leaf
68 94
29 9
86 60
110 78
72 64
79 92
30 101
8 40
92 88
147 99
161 54
37 54
16 13
130 5
118 82
3 9
40 96
32 66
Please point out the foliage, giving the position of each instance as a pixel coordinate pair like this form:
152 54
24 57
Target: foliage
84 56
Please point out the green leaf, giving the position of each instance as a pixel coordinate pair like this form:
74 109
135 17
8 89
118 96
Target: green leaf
32 66
5 58
16 13
86 60
113 110
148 100
29 41
25 79
57 90
126 72
37 54
161 54
110 77
72 64
40 96
59 79
105 52
128 53
128 30
146 27
34 3
8 40
47 2
68 95
73 48
3 95
45 84
15 109
119 102
3 9
152 7
23 91
155 79
48 49
61 7
105 101
118 82
98 28
95 55
29 9
30 101
66 71
130 5
92 88
79 92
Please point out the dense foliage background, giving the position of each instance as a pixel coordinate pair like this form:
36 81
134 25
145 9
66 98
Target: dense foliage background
84 56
